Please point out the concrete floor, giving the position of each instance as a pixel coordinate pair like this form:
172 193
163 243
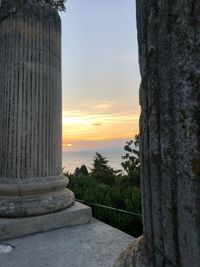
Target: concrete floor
90 245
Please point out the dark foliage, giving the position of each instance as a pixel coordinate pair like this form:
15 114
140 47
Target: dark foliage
101 171
57 4
106 186
118 196
82 171
131 163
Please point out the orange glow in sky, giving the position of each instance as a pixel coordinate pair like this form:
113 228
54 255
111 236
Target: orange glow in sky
98 122
101 76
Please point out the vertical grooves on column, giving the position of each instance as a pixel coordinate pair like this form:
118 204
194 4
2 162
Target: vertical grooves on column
15 94
51 105
154 133
145 130
30 104
42 90
3 99
47 100
39 152
7 99
18 128
24 90
31 29
18 104
53 97
36 93
30 134
5 106
49 112
46 76
27 87
59 71
1 96
170 126
44 86
12 151
5 103
1 103
58 100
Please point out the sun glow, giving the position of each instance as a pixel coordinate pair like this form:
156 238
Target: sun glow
98 123
69 145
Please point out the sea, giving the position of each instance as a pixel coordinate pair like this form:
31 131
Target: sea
76 158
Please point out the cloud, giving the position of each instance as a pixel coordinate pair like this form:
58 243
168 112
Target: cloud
87 107
96 124
99 120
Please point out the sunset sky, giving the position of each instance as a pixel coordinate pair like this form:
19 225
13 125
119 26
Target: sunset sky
100 73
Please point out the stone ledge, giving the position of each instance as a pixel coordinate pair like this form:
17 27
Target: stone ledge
75 215
90 245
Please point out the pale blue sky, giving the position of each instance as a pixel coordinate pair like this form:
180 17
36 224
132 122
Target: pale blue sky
100 65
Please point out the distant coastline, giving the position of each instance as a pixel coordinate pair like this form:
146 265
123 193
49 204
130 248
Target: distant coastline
75 158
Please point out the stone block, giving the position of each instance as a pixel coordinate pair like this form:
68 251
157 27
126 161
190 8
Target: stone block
17 227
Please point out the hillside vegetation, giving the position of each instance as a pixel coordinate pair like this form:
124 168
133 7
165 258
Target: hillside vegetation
115 189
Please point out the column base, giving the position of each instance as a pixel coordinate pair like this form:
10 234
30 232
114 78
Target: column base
34 196
26 206
18 227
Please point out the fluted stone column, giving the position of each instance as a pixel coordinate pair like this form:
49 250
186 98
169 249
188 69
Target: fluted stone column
169 49
169 41
31 180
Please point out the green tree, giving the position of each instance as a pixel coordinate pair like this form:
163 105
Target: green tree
131 163
101 171
77 172
84 170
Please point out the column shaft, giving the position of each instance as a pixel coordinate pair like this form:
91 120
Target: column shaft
169 41
30 117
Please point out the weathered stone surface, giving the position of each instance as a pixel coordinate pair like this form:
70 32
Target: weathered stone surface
17 227
169 49
91 245
133 256
31 180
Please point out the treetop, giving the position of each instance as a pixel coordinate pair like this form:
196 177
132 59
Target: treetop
59 5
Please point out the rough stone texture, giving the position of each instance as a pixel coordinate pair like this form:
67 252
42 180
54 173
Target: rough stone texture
169 49
90 245
169 41
17 227
133 256
30 119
